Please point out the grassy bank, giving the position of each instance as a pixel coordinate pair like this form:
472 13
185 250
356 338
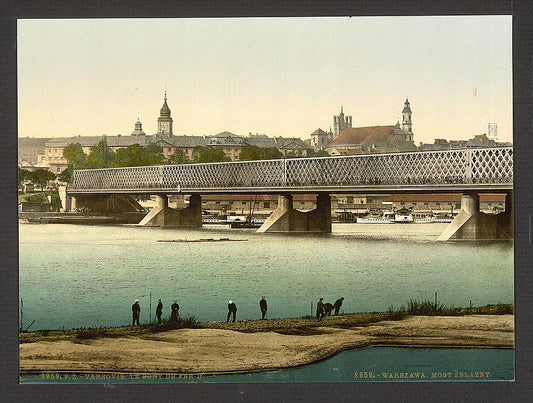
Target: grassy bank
306 325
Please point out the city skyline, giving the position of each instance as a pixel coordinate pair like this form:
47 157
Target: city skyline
277 76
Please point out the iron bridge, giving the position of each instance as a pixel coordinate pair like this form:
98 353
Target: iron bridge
480 169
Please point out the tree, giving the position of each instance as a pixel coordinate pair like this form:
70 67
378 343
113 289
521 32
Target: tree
74 154
179 157
23 176
66 174
137 155
295 154
153 154
249 152
319 153
271 153
41 176
209 154
101 156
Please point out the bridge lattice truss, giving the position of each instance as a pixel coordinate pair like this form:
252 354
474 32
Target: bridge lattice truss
465 166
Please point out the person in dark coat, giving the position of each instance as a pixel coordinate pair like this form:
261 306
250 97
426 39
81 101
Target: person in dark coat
327 309
159 310
174 311
320 309
232 310
136 309
337 305
263 306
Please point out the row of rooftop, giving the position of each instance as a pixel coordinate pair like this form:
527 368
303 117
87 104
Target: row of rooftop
342 140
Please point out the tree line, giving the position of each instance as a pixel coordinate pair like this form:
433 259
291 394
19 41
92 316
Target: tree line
102 156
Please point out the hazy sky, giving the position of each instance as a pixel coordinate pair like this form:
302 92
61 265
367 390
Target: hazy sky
278 76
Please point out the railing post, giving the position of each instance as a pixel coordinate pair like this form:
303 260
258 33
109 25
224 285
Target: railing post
161 182
468 170
284 172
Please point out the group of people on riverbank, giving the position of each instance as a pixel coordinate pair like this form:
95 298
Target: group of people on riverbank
324 309
232 309
174 311
136 311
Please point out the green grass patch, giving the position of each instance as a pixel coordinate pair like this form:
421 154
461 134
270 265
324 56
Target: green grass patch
187 322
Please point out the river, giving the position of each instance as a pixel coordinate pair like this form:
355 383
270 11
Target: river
370 364
89 275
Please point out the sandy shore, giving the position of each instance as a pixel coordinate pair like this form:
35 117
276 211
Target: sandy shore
207 351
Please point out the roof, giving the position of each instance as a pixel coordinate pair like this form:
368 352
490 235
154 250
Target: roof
89 141
261 142
290 143
184 141
318 131
225 138
165 110
32 141
359 135
347 151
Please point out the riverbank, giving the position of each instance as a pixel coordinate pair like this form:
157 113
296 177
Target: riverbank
219 347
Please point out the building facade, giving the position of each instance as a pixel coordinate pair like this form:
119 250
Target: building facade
376 139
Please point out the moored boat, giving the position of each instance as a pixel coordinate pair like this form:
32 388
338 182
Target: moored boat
385 218
403 218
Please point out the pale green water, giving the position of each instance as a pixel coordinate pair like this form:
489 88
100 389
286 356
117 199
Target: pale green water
380 363
85 276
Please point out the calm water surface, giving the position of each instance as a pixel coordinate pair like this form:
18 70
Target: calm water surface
87 276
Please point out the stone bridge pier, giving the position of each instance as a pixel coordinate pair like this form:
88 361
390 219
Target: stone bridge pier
163 216
286 219
472 225
100 204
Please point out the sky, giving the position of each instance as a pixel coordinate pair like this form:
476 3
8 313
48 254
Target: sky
278 76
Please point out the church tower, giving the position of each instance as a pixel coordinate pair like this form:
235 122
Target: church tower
164 122
407 124
341 122
138 129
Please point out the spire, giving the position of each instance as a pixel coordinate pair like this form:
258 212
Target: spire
406 108
165 110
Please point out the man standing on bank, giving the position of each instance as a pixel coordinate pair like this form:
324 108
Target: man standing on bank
136 309
263 306
174 311
337 305
159 310
232 310
320 309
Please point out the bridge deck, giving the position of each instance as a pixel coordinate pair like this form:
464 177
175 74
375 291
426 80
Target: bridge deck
483 169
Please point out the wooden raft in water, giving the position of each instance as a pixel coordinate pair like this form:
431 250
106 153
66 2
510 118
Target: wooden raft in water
202 240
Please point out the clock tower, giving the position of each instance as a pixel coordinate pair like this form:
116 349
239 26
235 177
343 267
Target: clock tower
164 122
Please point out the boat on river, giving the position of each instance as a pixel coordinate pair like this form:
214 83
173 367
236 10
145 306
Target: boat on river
247 222
403 216
386 218
72 219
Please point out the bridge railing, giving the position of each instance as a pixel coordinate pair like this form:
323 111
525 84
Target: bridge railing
465 166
